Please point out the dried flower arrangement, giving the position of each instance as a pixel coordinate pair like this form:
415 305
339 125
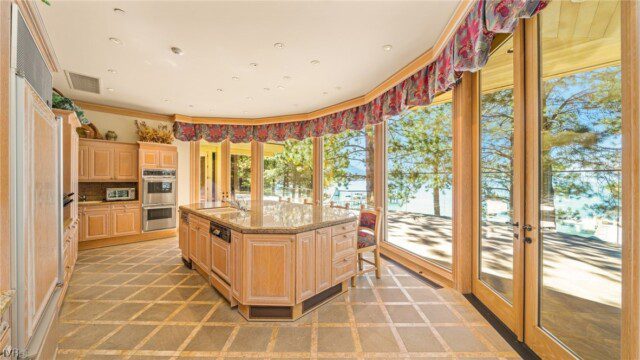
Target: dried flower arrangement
163 134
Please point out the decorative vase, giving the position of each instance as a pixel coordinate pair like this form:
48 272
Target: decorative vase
110 135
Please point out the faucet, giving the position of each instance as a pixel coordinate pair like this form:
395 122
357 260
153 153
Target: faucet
237 204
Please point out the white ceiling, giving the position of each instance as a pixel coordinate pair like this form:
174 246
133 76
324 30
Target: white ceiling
221 39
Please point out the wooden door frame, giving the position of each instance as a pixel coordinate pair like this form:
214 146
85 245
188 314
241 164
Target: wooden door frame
510 314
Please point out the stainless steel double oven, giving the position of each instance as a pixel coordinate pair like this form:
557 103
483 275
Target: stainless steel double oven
158 199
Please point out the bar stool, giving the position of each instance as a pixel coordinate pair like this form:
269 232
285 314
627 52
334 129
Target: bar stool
369 230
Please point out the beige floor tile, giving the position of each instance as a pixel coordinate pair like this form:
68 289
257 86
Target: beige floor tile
168 338
139 269
419 339
122 312
207 294
121 292
368 314
171 279
333 314
439 313
251 339
150 293
157 312
117 279
225 314
404 314
293 339
384 281
423 295
460 339
392 295
180 293
335 339
361 295
494 338
91 292
144 279
127 337
194 280
192 313
87 336
209 338
89 311
377 339
411 281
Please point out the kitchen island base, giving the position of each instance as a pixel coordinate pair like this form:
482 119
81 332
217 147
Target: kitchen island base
277 261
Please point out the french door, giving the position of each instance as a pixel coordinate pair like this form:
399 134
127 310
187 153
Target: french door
547 254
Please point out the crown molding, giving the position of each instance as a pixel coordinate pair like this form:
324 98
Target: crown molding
122 111
31 15
423 60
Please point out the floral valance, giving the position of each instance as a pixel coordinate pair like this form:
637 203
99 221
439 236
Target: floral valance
467 50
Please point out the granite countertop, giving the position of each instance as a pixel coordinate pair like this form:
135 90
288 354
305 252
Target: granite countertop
104 202
271 217
6 297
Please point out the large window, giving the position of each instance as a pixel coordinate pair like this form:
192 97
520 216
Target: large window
241 171
580 177
288 170
348 168
209 171
419 181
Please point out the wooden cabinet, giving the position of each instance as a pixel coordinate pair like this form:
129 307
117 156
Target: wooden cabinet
126 162
83 162
221 258
323 259
343 269
101 160
305 266
154 155
125 220
343 245
168 159
203 245
183 235
268 276
95 222
236 264
194 224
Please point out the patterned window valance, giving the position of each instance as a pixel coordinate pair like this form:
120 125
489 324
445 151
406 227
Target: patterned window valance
467 50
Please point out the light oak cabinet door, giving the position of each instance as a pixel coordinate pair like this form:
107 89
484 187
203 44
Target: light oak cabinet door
343 269
150 158
323 259
126 163
183 235
125 221
305 266
95 223
193 238
204 248
83 162
268 269
236 268
221 258
168 159
101 162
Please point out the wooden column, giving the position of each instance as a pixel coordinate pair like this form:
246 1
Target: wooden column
630 331
463 201
225 169
5 210
257 170
318 159
380 171
194 165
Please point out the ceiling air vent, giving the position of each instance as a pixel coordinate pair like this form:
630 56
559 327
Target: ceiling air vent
83 82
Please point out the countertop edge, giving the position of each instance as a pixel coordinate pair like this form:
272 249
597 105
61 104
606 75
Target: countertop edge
287 231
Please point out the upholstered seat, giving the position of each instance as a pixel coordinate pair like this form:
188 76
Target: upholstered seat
365 239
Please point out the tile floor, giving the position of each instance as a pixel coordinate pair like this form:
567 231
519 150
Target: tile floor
138 301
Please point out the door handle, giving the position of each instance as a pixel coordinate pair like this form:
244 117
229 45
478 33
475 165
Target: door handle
527 227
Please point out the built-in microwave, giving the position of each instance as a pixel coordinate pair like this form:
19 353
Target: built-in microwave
158 217
114 194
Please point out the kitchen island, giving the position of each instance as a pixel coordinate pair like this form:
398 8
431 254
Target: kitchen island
274 260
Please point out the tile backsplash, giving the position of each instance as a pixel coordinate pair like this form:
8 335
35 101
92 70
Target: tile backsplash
96 191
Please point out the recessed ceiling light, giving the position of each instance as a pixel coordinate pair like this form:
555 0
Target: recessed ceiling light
176 50
278 45
118 11
266 89
387 48
190 106
286 77
315 62
280 87
324 93
115 41
219 90
338 88
254 65
110 89
165 100
244 112
296 105
249 98
113 71
235 78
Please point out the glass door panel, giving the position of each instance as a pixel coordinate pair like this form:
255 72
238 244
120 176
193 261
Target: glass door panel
419 181
496 191
578 179
240 169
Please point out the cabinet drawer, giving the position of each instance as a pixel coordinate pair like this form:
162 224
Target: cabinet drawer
343 228
343 269
343 245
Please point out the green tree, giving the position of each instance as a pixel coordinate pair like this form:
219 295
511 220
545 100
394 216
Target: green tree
290 172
